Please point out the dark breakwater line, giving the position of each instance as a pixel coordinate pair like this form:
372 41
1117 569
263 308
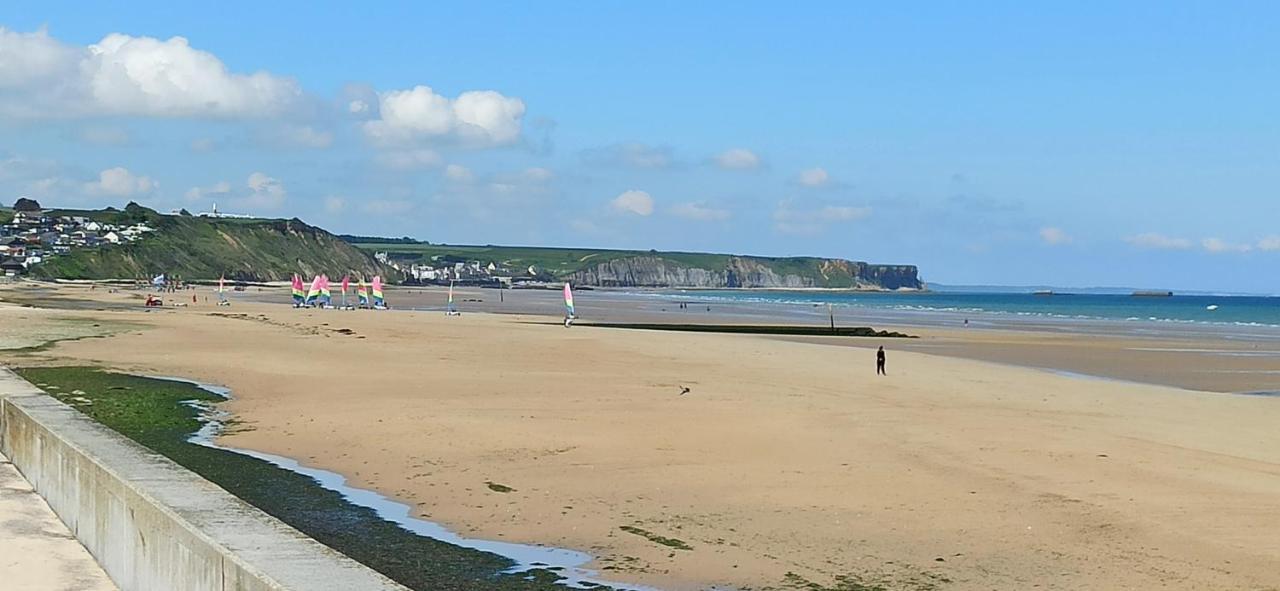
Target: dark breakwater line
765 329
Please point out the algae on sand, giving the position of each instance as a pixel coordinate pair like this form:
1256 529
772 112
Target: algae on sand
156 413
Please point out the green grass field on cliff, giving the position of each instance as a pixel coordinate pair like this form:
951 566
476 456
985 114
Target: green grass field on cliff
562 262
199 248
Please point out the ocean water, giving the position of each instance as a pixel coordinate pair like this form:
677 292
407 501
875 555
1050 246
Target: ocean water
1257 311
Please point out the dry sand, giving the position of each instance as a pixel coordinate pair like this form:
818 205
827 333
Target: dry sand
785 457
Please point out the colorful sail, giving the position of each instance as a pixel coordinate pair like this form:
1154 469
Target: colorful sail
378 301
299 296
222 289
451 308
346 281
362 294
568 300
313 292
325 295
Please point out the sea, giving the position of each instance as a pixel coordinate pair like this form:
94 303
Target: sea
997 308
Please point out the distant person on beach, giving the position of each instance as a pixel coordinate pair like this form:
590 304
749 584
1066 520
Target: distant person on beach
880 362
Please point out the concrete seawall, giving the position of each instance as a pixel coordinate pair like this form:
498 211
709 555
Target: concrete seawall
152 524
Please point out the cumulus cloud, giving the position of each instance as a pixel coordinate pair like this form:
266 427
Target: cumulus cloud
387 207
409 159
1054 236
212 191
203 145
265 193
1270 243
1156 241
699 212
298 136
738 159
814 177
633 202
41 77
788 219
478 118
630 155
459 173
1218 246
333 204
537 174
104 136
119 182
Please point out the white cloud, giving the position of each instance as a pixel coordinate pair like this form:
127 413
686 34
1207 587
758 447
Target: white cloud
459 173
357 107
265 192
203 145
334 204
738 159
1153 240
410 159
633 202
631 155
212 191
478 118
299 136
699 212
1218 246
787 219
387 206
119 182
537 174
126 75
1054 236
104 136
814 177
1269 243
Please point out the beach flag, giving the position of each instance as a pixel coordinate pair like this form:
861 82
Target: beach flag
568 300
299 296
346 281
378 302
222 288
362 294
313 292
451 309
325 295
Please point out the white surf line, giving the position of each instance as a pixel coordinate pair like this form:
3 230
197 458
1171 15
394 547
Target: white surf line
567 563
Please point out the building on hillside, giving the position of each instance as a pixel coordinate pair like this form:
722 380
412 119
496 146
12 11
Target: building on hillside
11 267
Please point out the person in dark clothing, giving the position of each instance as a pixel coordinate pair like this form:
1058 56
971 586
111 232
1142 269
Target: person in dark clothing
880 362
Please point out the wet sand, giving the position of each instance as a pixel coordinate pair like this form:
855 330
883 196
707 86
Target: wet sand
786 456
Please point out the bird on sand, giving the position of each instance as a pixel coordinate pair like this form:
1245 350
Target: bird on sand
684 390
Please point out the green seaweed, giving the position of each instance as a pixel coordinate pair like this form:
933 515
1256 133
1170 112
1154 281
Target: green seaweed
502 488
156 413
655 538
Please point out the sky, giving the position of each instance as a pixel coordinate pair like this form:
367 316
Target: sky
1082 144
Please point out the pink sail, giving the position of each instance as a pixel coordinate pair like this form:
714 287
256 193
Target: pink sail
378 302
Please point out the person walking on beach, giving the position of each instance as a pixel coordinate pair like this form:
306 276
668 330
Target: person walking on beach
880 362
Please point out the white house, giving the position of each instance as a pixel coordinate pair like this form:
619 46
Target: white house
112 237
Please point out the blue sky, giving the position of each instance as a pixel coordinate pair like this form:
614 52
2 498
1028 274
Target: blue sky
989 142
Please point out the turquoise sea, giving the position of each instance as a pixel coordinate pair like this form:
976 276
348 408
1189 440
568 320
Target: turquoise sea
1257 311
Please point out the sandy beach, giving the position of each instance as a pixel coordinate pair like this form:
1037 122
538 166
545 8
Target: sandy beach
787 461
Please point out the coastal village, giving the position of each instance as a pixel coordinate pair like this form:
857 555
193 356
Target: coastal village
35 235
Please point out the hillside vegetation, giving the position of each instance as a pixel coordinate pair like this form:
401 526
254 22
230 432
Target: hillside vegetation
197 248
637 268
